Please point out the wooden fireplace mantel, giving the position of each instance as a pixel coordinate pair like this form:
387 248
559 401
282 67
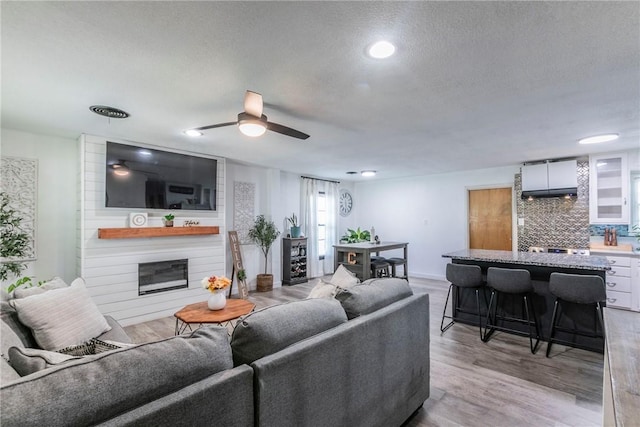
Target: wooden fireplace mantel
143 232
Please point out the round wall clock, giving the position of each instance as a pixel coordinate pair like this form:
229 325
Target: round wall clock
346 202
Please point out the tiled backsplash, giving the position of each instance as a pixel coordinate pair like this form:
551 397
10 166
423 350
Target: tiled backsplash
555 222
598 229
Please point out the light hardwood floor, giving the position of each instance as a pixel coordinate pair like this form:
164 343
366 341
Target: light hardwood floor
499 383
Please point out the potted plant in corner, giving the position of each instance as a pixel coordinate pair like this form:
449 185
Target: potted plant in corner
14 245
295 228
264 233
168 220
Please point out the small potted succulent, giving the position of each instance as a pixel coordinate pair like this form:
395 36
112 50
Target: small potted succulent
168 220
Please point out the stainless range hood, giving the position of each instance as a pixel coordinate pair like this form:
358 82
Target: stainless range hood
550 179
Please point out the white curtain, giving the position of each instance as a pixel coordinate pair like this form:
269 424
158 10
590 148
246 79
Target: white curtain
332 196
309 193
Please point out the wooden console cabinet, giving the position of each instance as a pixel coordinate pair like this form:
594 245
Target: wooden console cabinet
294 260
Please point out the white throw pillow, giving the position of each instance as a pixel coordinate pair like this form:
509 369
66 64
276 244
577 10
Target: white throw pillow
323 290
344 278
62 317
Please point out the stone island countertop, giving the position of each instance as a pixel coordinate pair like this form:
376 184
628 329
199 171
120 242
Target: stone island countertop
582 262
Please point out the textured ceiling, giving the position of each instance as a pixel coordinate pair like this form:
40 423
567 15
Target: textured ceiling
472 85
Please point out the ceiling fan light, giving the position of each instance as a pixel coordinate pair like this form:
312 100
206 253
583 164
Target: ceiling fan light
252 128
120 168
599 138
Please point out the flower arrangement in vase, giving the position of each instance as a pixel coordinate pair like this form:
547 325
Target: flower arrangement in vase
216 285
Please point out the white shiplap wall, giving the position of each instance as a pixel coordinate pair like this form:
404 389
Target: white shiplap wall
110 267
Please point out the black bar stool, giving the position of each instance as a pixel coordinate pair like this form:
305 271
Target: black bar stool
576 289
395 262
380 268
517 282
462 276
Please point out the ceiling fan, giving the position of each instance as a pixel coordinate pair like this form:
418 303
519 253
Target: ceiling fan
253 123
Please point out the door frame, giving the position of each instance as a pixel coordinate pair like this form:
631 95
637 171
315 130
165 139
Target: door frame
514 211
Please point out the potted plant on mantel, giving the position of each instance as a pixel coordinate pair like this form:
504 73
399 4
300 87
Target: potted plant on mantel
264 233
168 220
295 228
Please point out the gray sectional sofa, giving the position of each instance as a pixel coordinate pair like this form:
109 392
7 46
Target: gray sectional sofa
360 359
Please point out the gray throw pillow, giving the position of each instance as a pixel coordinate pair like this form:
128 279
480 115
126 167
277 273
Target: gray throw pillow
273 328
372 295
29 360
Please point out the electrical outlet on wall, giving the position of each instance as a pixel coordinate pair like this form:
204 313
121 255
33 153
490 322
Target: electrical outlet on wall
520 221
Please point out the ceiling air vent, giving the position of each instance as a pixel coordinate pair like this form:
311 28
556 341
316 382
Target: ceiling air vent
112 113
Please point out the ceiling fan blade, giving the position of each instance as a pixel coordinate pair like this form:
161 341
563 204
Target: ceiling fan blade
286 130
253 103
219 125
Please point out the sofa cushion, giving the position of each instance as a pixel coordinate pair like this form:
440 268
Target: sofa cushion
12 332
7 373
95 389
273 328
55 283
372 295
61 317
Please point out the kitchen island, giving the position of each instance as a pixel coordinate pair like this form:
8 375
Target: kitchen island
540 266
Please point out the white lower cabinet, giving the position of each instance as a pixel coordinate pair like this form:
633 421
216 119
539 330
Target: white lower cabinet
623 284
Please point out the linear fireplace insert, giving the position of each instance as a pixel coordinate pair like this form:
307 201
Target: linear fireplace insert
161 276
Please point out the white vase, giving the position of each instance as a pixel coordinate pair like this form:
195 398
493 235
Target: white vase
217 300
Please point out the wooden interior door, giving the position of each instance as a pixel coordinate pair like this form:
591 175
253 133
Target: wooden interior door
490 219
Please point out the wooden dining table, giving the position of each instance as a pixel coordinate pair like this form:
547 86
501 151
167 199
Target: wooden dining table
356 257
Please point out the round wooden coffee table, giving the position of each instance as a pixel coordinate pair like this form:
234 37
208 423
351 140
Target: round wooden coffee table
200 314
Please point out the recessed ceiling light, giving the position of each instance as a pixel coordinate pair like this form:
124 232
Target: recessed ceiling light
192 132
382 49
599 138
368 173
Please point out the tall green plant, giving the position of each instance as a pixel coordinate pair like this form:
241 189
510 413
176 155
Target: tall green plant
263 233
14 240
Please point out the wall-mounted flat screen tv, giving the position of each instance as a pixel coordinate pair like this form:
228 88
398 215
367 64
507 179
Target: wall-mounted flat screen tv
139 177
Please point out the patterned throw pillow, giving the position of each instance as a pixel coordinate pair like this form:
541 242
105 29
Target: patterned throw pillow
343 278
323 290
94 346
62 317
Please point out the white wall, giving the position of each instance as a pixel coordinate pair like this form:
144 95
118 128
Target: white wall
57 200
429 212
277 196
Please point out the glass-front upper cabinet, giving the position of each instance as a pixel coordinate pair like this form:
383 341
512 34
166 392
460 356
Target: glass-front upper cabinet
609 189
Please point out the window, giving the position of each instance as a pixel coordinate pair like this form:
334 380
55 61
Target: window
322 224
635 202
